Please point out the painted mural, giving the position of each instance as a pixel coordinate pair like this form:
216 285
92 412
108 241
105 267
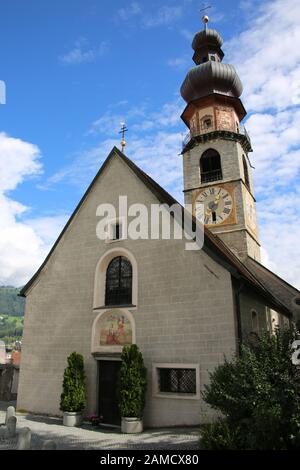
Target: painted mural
115 329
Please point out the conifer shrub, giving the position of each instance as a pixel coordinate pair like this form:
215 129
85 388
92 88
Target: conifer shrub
73 397
132 383
258 395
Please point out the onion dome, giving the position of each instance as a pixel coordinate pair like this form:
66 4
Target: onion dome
205 41
210 75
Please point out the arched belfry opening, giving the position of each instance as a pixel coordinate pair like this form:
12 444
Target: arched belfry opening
210 166
246 173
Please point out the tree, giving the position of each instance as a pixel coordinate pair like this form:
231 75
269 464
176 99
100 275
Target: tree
132 383
258 395
73 398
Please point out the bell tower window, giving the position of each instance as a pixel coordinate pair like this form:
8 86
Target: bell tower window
246 173
207 123
210 166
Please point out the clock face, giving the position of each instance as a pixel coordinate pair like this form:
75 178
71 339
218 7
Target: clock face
213 206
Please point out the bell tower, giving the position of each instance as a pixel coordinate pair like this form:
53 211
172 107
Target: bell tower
216 166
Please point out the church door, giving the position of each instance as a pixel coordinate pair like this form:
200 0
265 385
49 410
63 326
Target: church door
108 400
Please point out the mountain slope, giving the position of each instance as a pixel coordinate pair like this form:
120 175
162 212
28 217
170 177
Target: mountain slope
10 303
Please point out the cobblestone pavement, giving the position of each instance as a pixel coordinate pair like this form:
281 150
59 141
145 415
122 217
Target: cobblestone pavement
92 438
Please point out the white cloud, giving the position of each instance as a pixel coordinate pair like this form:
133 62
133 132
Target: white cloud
268 62
2 92
139 118
179 62
154 143
157 154
267 57
23 245
133 9
13 170
81 52
164 16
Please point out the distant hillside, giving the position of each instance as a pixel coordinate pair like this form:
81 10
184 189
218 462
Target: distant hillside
10 303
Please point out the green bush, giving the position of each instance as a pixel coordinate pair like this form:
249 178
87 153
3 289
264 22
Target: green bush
73 397
132 383
220 436
258 394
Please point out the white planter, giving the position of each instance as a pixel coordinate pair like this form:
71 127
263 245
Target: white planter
131 425
72 419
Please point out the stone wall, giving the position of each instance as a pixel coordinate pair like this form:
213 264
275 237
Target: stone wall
184 312
236 235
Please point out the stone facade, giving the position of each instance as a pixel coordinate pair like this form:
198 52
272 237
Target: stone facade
184 312
241 239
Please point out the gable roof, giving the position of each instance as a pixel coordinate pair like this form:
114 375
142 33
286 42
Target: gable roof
279 288
213 245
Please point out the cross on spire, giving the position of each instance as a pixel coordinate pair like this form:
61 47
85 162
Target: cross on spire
122 131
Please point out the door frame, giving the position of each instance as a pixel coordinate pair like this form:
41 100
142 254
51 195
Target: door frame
114 357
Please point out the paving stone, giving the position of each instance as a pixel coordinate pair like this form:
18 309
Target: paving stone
89 437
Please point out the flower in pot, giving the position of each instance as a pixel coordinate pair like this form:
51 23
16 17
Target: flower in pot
132 389
95 420
73 398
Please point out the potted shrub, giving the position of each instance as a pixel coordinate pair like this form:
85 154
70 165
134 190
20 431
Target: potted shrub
132 390
73 399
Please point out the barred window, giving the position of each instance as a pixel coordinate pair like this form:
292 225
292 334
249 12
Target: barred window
177 380
119 282
210 166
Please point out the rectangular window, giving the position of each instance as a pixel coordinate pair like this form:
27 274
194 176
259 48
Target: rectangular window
117 232
177 380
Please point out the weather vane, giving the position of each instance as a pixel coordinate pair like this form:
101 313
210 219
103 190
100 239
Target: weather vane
205 18
122 131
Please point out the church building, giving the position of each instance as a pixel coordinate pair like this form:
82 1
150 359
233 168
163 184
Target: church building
185 309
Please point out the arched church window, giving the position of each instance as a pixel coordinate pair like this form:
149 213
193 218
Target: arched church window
246 173
118 287
210 166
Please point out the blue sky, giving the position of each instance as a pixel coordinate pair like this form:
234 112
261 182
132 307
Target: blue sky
74 69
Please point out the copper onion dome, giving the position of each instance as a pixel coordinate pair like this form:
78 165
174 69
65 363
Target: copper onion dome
210 75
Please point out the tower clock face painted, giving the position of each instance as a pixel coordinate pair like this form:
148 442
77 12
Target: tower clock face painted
214 206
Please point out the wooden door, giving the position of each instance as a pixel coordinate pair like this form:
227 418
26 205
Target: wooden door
108 400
